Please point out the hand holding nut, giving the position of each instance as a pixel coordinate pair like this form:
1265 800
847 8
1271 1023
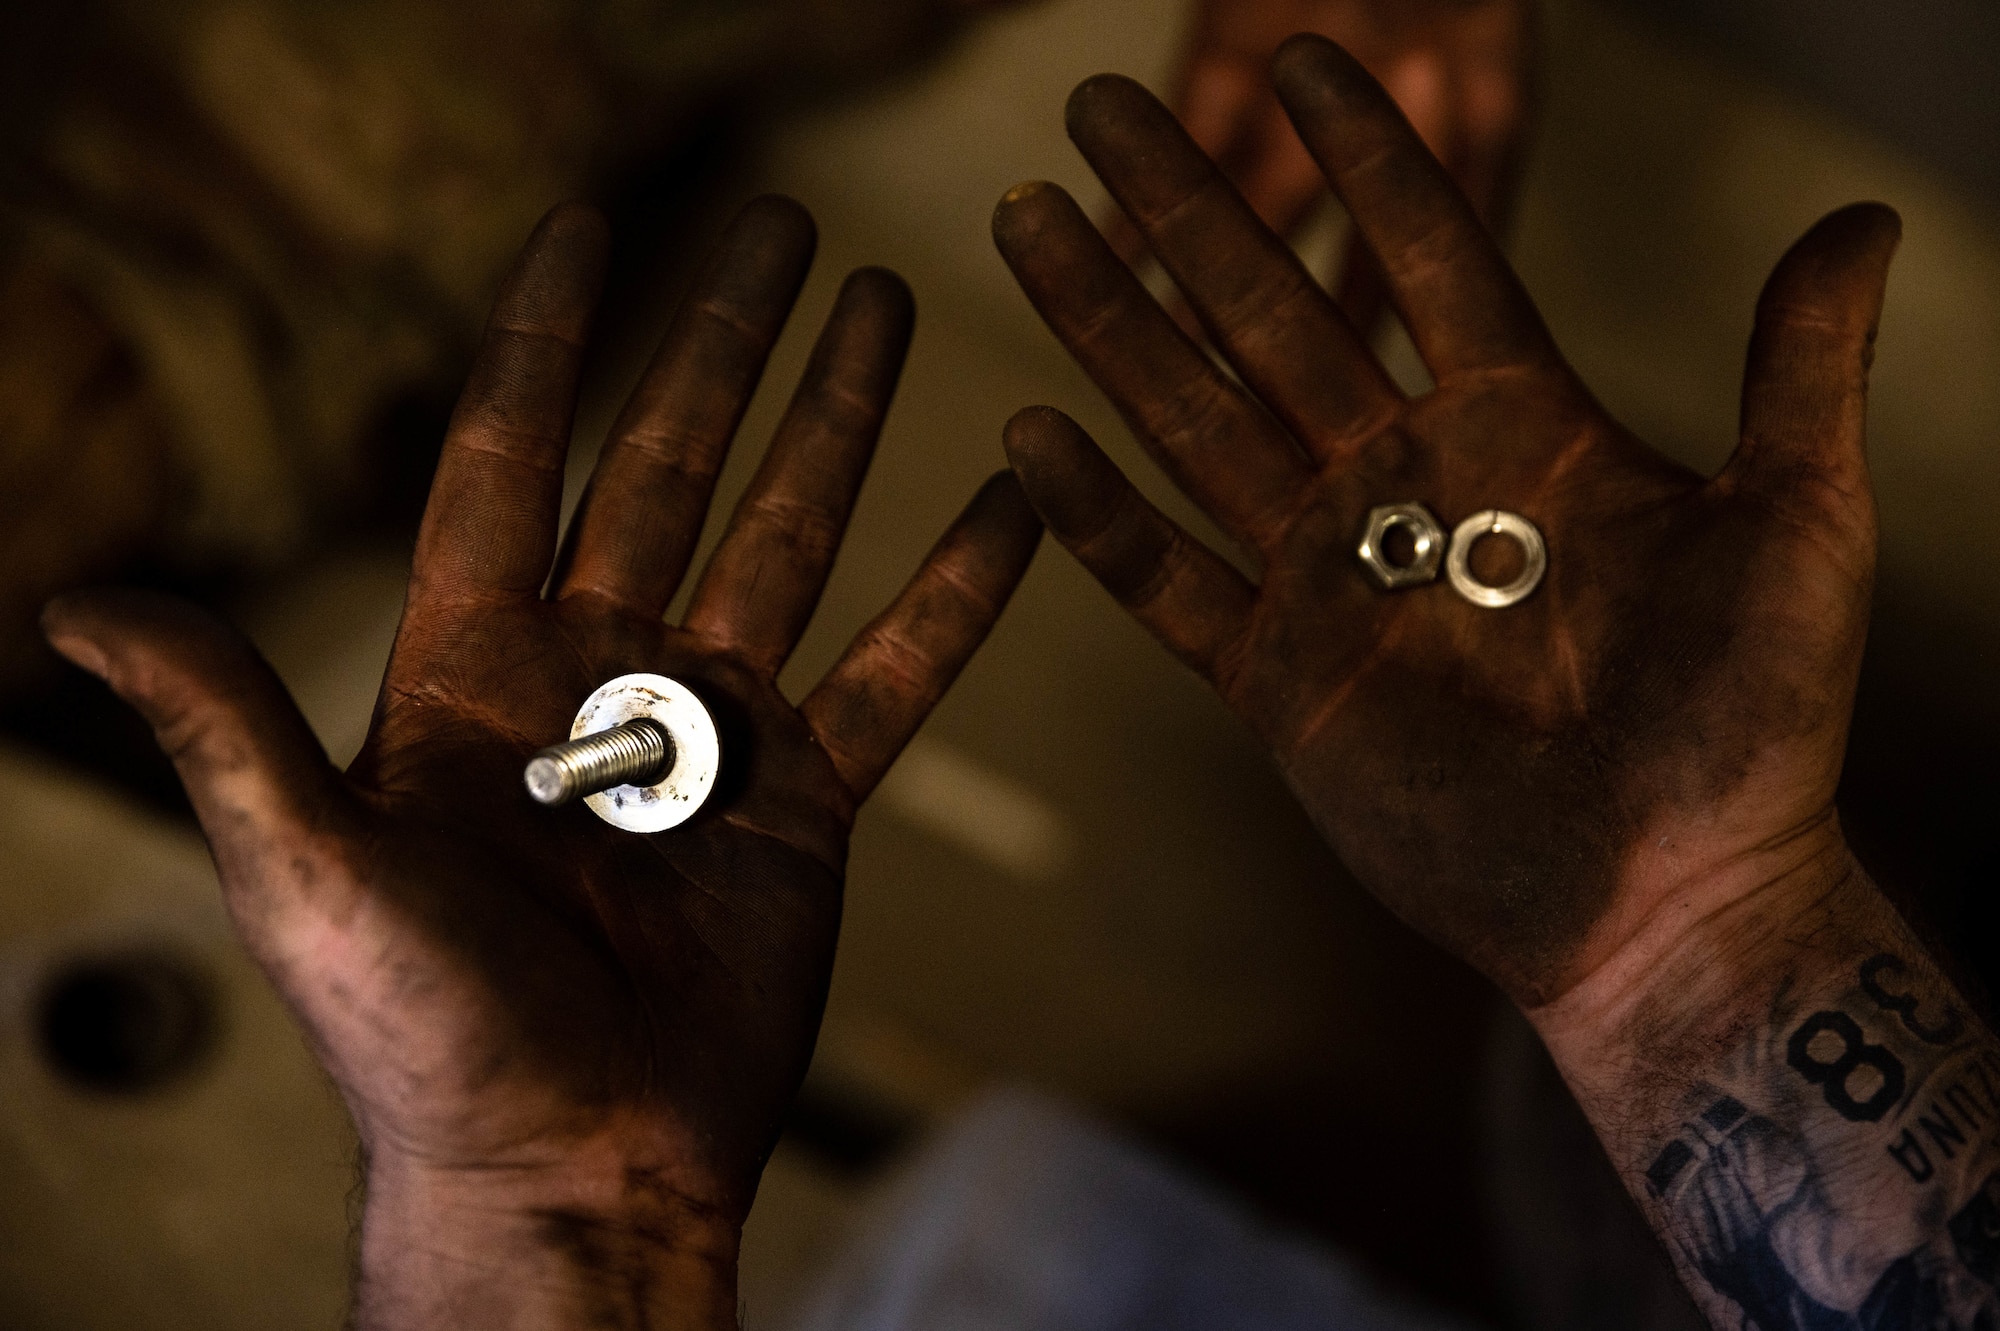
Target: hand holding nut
1501 778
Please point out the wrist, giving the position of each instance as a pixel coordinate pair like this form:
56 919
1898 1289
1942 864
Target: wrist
1706 946
1793 1091
601 1237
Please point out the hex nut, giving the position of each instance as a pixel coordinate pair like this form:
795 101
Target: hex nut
1426 533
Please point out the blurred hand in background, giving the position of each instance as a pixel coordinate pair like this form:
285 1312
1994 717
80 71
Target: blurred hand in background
1460 69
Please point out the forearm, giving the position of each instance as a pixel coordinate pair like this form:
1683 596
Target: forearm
1805 1109
621 1249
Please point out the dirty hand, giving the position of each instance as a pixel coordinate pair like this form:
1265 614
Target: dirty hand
568 1048
1656 730
1460 70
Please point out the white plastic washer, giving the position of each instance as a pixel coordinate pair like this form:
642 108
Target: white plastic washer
675 797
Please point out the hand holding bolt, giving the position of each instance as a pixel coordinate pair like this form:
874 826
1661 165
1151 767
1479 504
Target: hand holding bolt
482 976
643 754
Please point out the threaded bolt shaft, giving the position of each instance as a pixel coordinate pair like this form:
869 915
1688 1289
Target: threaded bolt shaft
637 753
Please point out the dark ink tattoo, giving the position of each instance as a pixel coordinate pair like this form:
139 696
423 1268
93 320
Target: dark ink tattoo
1735 1194
1955 1117
1882 966
1833 1075
1760 1186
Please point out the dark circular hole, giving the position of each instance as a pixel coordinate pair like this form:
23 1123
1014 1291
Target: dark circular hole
127 1023
1495 560
1399 546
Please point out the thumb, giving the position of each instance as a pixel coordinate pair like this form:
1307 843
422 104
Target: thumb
257 777
1805 389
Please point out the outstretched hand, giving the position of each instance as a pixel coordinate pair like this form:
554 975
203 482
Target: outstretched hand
1460 69
1656 731
561 1043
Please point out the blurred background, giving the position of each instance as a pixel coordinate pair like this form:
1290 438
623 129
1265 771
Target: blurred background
245 250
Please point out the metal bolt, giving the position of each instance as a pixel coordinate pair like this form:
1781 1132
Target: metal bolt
637 753
643 754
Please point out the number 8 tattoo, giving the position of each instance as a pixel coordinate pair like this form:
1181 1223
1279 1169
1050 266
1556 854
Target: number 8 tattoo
1857 1053
1832 1075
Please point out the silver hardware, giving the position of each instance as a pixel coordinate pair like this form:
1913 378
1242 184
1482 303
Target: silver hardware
1426 536
634 754
1496 522
642 755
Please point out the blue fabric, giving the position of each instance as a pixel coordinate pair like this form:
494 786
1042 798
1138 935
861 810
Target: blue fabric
1022 1215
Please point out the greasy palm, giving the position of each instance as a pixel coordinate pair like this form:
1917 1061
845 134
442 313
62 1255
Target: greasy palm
1658 729
498 988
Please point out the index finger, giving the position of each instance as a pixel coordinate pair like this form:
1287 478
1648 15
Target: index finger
894 672
1464 307
490 526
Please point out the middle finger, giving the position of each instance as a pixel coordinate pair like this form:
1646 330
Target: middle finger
760 587
1276 325
641 515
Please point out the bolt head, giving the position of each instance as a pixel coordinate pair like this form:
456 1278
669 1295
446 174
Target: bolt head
1426 535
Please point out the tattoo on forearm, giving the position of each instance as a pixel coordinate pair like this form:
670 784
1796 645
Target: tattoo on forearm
1844 1170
